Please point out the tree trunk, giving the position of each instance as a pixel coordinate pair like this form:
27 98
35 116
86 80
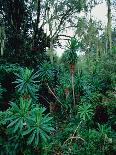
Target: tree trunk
37 22
2 40
109 28
50 33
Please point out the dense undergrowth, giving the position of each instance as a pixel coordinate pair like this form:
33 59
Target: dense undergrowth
52 105
65 107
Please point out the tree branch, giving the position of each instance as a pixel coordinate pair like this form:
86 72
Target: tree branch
61 22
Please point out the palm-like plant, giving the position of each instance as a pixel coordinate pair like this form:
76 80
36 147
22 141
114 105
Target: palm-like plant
46 75
39 127
70 58
70 55
18 115
85 111
105 134
27 83
104 130
46 72
28 120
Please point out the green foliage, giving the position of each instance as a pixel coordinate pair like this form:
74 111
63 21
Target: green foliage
27 124
65 80
73 44
1 90
26 127
27 82
70 55
104 130
39 127
29 120
3 116
9 68
46 72
85 111
18 115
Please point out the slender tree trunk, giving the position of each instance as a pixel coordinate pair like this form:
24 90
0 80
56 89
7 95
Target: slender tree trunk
38 16
2 46
37 22
109 28
106 40
2 40
50 32
72 68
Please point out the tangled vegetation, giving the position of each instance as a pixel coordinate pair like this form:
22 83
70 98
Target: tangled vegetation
52 105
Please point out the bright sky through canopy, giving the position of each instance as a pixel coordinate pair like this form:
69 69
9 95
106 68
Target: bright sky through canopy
99 13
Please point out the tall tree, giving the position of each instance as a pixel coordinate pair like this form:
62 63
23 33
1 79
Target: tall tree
61 16
25 40
109 26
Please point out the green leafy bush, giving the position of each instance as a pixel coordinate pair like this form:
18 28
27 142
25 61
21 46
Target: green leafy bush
27 82
70 55
39 127
46 73
85 111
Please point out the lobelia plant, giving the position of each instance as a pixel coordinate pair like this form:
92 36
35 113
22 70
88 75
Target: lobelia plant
30 122
70 58
40 127
46 72
70 55
104 130
106 135
27 83
85 111
18 115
